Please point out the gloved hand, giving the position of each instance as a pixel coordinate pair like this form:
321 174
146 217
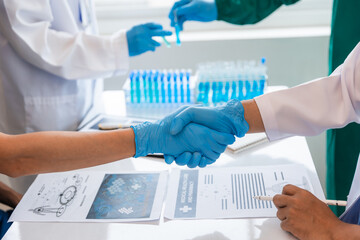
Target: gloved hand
140 40
192 160
193 10
156 138
228 118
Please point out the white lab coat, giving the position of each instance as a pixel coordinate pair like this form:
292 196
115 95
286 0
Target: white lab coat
51 64
313 107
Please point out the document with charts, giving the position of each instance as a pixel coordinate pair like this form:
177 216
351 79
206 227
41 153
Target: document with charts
228 192
93 197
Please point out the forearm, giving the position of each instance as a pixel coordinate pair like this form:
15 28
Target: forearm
62 151
252 116
8 196
248 11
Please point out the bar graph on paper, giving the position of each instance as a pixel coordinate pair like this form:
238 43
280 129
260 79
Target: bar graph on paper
228 192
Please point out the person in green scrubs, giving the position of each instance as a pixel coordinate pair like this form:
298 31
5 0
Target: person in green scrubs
343 145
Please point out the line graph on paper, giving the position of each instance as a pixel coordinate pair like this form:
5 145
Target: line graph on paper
229 192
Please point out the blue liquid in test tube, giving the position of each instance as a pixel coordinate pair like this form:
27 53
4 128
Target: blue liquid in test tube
214 89
207 92
150 80
188 94
263 78
169 87
156 86
262 86
182 87
175 88
226 95
247 89
132 74
201 95
177 29
220 95
255 89
241 94
144 76
138 90
163 100
233 90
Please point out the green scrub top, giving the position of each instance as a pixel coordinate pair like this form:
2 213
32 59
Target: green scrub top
343 145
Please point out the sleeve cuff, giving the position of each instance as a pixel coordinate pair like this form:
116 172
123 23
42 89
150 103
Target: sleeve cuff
269 118
121 51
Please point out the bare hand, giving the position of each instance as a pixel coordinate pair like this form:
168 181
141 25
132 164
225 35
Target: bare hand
305 216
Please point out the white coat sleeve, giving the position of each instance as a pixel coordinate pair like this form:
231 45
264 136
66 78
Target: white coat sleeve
26 25
311 108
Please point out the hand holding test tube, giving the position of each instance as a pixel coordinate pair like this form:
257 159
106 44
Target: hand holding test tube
177 29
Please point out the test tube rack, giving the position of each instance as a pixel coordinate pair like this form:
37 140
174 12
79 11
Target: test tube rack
156 93
218 82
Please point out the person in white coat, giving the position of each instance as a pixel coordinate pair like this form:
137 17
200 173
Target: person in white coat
52 62
307 110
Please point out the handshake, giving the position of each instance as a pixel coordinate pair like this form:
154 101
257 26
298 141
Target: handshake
192 136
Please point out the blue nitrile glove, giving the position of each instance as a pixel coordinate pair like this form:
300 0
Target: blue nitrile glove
156 138
192 160
228 118
140 40
193 10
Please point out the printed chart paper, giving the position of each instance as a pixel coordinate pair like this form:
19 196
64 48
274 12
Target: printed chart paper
93 197
228 192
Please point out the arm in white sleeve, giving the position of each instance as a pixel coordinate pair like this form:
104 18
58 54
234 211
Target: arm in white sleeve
311 108
26 25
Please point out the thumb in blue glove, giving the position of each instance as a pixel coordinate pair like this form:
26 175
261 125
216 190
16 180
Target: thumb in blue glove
156 138
140 40
228 118
192 10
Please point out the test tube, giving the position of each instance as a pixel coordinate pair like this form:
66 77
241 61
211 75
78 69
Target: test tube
181 75
201 94
226 95
214 93
169 87
262 76
144 76
168 45
207 92
177 29
247 89
156 86
188 94
233 90
175 87
220 92
131 76
138 90
150 80
255 89
162 75
241 94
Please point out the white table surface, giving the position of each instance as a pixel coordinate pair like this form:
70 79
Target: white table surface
288 151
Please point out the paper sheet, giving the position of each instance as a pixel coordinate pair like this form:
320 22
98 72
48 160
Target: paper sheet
93 197
93 125
228 192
